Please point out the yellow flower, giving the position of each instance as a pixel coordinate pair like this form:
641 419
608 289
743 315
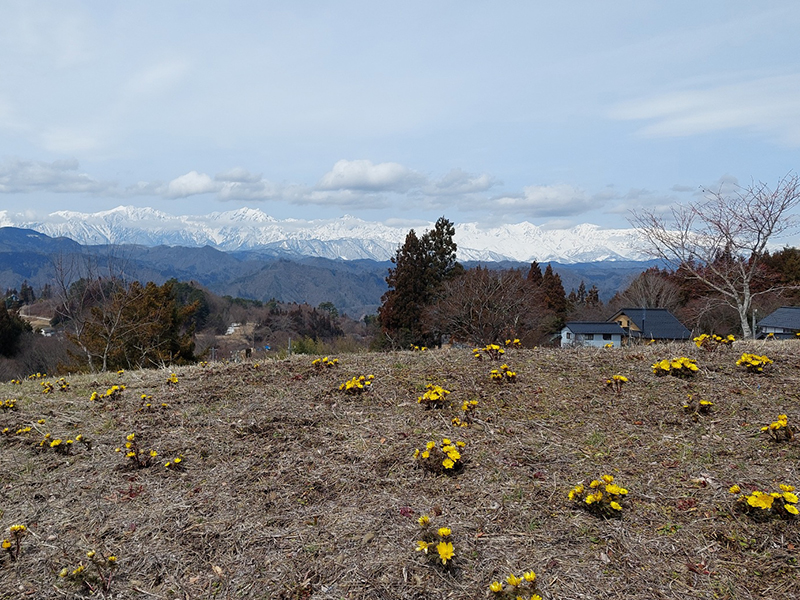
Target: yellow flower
496 587
734 489
760 500
786 488
424 520
444 531
790 497
90 554
514 580
430 445
529 576
791 509
607 478
425 454
615 506
422 547
595 483
153 453
63 572
446 442
445 550
448 464
416 453
460 444
6 544
130 437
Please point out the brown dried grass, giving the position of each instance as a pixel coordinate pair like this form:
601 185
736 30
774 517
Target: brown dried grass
293 490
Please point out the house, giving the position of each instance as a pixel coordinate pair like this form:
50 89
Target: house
592 333
651 324
783 323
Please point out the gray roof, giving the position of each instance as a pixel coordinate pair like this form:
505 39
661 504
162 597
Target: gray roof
787 317
598 327
655 323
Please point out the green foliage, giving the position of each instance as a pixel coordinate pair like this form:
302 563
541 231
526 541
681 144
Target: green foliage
422 265
11 329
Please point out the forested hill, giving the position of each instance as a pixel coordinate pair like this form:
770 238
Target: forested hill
354 287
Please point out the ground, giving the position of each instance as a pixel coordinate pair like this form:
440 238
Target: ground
288 488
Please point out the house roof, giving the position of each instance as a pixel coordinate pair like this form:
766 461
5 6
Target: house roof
787 317
598 327
655 323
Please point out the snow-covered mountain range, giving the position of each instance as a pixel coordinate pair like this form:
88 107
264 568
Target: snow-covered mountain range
346 238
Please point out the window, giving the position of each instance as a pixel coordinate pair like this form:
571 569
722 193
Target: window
606 336
569 335
589 336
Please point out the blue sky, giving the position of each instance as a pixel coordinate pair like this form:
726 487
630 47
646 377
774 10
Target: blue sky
556 113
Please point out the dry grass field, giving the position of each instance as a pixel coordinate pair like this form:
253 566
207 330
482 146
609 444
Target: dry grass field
290 489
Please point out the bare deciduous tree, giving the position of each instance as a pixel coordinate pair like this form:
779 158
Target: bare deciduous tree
721 240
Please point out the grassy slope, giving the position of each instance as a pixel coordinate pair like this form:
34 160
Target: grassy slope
292 490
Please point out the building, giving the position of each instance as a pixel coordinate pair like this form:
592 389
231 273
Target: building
592 333
651 324
783 323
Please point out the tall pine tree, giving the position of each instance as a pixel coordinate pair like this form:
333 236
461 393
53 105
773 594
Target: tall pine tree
422 264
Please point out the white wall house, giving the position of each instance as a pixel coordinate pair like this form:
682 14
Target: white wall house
592 333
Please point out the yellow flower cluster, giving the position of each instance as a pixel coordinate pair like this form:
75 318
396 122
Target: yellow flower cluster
518 585
15 382
47 387
10 404
57 444
419 348
679 367
780 430
697 407
615 382
443 458
438 540
515 343
63 384
493 351
139 457
172 379
468 407
12 546
602 496
712 342
781 503
325 363
357 384
434 396
504 373
176 463
37 376
112 393
753 362
96 575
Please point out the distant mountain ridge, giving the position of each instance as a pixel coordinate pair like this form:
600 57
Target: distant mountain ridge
346 238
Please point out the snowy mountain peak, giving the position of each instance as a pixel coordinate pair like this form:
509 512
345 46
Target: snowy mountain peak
347 238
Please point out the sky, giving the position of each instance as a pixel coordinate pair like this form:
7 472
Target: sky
555 113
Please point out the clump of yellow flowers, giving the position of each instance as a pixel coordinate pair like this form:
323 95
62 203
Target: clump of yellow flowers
513 343
469 408
779 430
519 586
753 362
112 393
138 457
13 545
418 348
764 504
602 496
324 363
10 404
95 575
444 457
172 379
696 407
615 382
712 342
47 387
357 384
678 367
436 544
503 374
492 351
434 396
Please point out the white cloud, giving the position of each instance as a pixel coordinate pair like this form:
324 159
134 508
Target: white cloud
458 182
239 175
557 200
190 184
366 176
60 176
765 106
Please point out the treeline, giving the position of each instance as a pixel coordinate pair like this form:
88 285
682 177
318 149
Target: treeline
106 323
432 298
